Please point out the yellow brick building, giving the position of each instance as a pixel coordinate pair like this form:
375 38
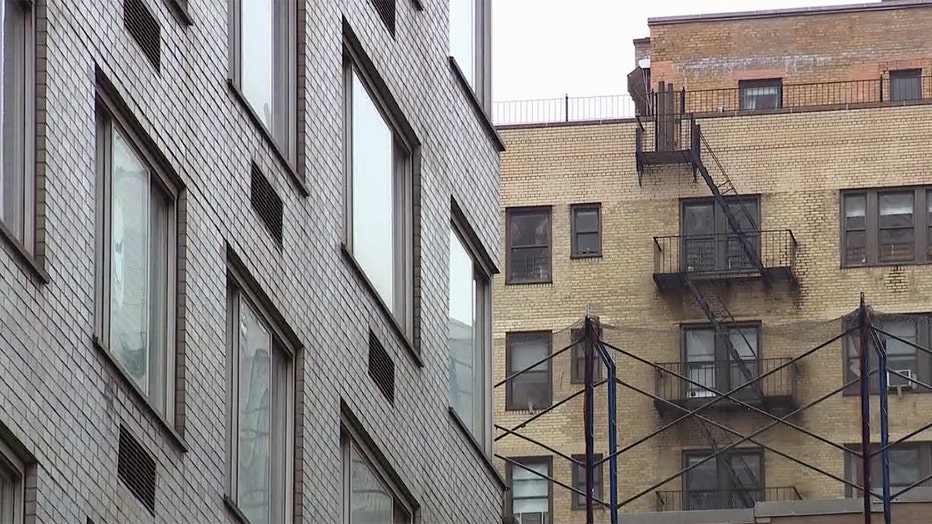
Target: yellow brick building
820 120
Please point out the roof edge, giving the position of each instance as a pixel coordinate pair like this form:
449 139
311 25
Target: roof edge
885 5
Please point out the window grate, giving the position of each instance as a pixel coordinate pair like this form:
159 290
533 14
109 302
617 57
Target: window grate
267 203
381 368
136 468
386 10
144 29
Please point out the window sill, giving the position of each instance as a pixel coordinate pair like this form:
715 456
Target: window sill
884 264
477 106
585 256
141 398
548 282
270 140
180 12
458 422
234 510
526 411
19 250
386 312
891 393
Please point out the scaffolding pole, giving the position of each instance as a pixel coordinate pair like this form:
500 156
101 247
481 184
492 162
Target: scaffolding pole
589 416
884 427
863 356
612 433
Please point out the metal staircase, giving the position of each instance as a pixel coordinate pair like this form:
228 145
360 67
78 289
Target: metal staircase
739 487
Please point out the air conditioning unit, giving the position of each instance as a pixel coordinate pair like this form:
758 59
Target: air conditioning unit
898 382
699 393
531 518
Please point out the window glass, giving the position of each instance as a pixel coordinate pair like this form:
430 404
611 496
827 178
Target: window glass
463 32
586 231
700 357
896 237
760 94
255 428
257 53
855 229
463 332
701 484
370 499
8 486
13 181
530 389
530 492
906 85
579 480
529 238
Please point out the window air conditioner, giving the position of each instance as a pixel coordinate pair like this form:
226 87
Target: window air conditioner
531 518
699 393
900 382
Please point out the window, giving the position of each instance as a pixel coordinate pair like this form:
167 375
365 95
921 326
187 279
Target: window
587 230
470 333
528 245
906 84
469 42
531 389
709 245
578 365
136 239
710 363
260 401
886 226
901 357
732 480
379 215
579 481
12 487
530 493
909 462
16 103
760 94
264 64
368 496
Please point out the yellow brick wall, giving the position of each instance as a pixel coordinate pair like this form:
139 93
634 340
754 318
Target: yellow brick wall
798 163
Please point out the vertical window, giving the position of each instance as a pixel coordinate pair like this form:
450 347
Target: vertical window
136 235
709 244
587 230
530 493
855 227
16 102
379 185
896 233
264 64
906 84
528 238
261 392
710 363
531 389
579 481
760 94
12 488
469 37
470 332
730 481
578 365
368 496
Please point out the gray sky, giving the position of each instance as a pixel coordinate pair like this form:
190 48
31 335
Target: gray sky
548 48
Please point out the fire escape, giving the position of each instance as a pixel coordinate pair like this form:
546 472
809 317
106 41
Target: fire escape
669 136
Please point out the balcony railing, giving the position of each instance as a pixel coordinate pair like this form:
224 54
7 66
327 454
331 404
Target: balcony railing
566 109
720 256
774 391
721 499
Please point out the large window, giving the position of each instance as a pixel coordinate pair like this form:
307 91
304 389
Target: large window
587 230
469 37
260 400
379 213
530 493
531 390
713 366
264 64
909 462
902 357
708 242
369 498
905 84
729 481
760 94
579 481
136 239
12 488
470 333
528 238
886 226
16 103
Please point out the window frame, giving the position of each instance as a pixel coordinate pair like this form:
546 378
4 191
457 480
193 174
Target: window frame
759 83
722 378
108 118
852 464
724 488
923 361
897 75
577 361
15 471
287 144
575 232
579 481
509 388
479 80
509 213
351 438
509 480
403 173
922 225
238 290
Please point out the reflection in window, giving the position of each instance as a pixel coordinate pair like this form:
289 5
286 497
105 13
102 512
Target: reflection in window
463 37
15 183
370 499
530 493
760 94
896 237
905 85
855 229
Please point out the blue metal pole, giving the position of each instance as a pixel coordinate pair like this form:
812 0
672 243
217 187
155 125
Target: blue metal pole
884 431
589 416
612 435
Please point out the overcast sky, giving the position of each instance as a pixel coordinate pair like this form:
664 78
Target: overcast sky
548 48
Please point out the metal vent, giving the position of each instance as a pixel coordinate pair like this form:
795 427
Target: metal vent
267 203
386 10
136 468
144 29
381 368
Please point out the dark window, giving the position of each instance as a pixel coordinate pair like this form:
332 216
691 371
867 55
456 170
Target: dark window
531 389
729 481
579 481
528 245
578 364
906 84
886 226
529 492
587 230
909 462
903 360
711 364
760 94
709 244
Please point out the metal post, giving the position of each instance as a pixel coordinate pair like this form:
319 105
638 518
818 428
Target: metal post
566 107
884 429
589 419
612 434
864 324
880 83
